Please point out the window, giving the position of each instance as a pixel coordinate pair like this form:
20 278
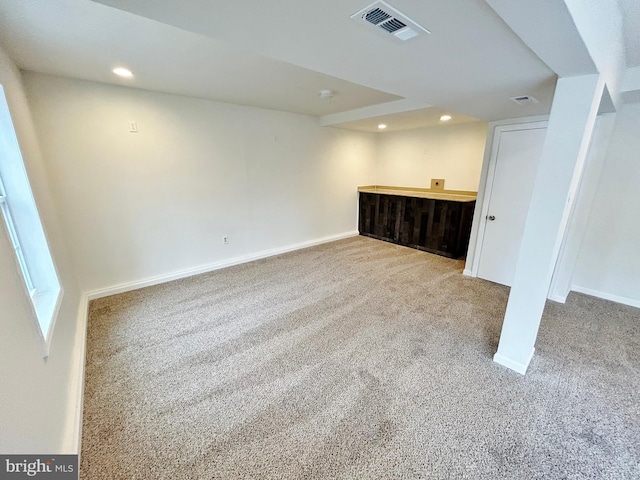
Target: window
11 228
24 230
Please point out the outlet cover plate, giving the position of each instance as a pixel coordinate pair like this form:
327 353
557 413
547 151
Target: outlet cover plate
437 184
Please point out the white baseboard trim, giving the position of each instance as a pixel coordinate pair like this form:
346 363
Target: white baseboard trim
467 272
73 433
512 364
556 297
147 282
606 296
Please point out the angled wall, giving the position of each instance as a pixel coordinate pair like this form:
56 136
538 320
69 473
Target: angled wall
38 395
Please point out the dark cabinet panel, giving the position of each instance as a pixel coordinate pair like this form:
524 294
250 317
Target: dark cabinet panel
433 225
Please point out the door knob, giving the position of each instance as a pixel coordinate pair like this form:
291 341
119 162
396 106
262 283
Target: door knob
491 217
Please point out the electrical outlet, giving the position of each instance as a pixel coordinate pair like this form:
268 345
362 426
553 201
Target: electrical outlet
225 240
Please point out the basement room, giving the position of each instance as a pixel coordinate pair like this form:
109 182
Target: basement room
383 240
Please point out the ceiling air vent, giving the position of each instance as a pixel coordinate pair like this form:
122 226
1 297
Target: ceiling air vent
524 100
387 20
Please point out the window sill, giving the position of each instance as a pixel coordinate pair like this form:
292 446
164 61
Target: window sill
46 305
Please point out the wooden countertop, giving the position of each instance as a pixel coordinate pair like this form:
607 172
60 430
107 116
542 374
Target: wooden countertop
453 195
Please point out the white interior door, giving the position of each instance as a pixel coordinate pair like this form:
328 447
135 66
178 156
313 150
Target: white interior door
516 162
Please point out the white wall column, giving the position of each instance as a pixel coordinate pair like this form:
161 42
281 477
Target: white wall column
569 131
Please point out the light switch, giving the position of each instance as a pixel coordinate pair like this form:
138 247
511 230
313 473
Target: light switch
133 126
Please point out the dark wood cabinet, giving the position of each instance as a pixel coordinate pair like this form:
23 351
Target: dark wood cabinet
434 225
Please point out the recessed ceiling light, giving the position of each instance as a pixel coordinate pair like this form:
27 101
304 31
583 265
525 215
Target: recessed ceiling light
382 126
445 118
123 72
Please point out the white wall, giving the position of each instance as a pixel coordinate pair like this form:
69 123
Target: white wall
135 206
579 216
37 396
608 264
412 158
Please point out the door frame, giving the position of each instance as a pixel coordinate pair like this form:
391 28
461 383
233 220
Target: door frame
485 187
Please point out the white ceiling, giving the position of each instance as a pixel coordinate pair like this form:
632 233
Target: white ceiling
83 39
470 63
279 54
420 118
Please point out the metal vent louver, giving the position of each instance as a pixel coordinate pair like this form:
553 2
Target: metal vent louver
393 25
388 20
376 16
524 100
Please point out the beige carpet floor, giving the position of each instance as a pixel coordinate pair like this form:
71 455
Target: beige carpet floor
357 359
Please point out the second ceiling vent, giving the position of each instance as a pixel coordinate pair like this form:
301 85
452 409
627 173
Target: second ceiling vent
386 19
